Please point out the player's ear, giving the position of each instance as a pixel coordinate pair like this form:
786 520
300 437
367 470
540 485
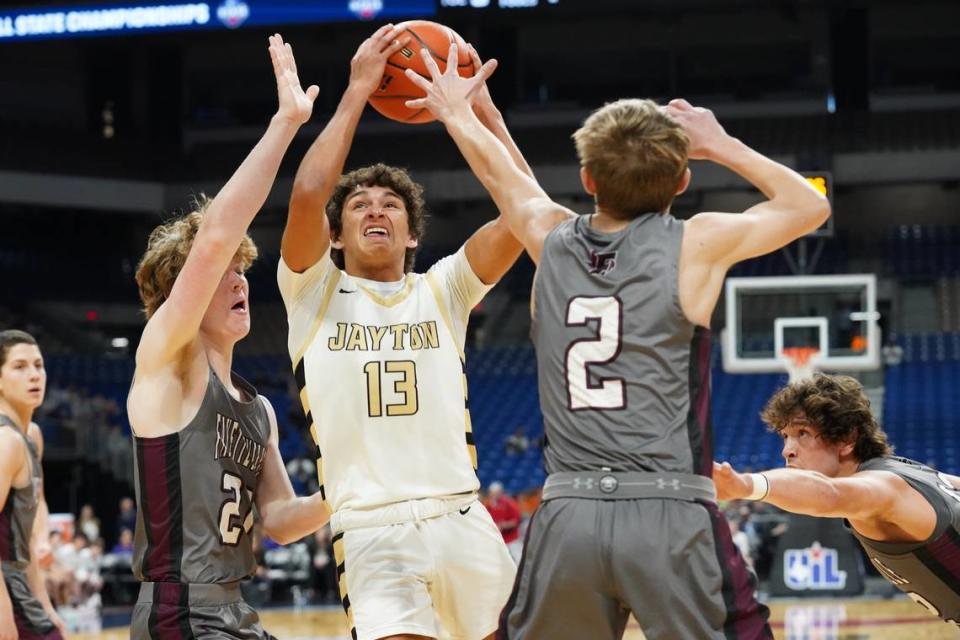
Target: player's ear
335 241
589 184
412 243
684 182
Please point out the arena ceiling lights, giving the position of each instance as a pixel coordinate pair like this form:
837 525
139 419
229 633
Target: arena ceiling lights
139 17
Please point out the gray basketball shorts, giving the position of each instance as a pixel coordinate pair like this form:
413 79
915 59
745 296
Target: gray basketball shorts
31 618
175 610
588 563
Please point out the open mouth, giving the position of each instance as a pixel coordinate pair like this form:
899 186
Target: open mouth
240 306
376 232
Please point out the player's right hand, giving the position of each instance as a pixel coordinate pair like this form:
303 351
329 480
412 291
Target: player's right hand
368 63
730 484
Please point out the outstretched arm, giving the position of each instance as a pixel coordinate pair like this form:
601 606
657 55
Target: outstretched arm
177 321
793 207
493 249
306 238
286 518
860 497
529 212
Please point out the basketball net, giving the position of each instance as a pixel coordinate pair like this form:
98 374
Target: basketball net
799 362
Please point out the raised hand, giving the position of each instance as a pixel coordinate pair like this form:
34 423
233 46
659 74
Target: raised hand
700 125
448 90
482 98
368 63
296 105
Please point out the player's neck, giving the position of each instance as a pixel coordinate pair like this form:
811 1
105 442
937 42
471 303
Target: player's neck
21 416
848 467
377 273
605 222
220 359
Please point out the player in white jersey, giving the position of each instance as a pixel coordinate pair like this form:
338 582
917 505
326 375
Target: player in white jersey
378 358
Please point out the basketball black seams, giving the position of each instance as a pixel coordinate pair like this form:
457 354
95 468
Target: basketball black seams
434 53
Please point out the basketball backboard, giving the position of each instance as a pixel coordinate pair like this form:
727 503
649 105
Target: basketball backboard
835 314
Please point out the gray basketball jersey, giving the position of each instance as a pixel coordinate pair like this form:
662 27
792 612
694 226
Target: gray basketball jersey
929 572
20 509
195 491
623 375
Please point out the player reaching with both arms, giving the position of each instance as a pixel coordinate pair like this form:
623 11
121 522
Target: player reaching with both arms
621 313
205 443
906 515
377 352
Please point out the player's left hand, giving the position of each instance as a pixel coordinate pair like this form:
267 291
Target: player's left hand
730 484
448 90
296 105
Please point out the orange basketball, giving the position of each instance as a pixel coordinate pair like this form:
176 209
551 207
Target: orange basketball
396 88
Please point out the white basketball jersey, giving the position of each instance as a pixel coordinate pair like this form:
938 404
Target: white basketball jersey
382 380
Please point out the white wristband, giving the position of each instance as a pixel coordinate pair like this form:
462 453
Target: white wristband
761 487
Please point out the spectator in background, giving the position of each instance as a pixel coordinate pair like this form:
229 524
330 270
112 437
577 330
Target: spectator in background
506 515
740 539
124 544
88 523
517 442
127 519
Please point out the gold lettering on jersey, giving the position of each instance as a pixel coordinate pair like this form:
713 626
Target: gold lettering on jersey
357 337
398 331
337 342
416 337
376 336
430 336
231 443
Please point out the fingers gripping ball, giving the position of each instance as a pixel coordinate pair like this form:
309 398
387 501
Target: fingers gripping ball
395 88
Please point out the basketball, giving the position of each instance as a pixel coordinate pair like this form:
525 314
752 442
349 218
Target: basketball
395 88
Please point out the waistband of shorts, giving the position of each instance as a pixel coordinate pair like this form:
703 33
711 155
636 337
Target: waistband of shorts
398 512
628 485
189 593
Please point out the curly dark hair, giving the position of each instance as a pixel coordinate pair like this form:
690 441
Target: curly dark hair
379 175
836 406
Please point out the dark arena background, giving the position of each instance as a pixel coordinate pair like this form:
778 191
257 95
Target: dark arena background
108 127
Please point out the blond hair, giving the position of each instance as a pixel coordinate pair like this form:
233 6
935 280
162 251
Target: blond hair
635 154
167 250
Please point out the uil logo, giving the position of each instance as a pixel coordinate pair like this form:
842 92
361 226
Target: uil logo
602 263
233 13
365 9
815 567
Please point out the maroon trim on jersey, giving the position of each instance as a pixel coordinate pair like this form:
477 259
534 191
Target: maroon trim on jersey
699 420
942 558
170 612
161 505
8 548
746 616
